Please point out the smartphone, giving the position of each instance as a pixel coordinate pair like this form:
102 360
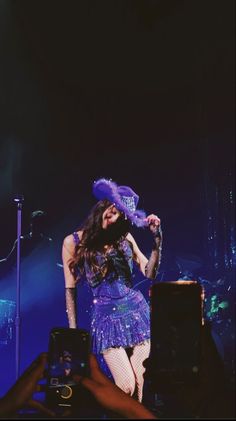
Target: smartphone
176 331
68 354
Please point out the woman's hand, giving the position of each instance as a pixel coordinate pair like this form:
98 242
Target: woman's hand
154 224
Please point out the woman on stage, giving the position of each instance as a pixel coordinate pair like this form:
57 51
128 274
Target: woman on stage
104 251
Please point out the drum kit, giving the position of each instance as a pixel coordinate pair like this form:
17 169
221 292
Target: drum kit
216 295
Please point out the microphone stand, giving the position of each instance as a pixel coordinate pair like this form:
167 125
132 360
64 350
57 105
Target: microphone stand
18 199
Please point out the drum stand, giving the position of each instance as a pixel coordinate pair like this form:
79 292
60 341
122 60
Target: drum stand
18 199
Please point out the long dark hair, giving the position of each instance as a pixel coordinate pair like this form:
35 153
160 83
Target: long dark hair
94 238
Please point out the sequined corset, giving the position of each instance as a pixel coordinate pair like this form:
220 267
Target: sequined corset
117 281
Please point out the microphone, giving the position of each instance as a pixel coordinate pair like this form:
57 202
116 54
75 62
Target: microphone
18 198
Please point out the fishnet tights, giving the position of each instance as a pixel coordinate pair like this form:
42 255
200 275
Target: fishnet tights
128 372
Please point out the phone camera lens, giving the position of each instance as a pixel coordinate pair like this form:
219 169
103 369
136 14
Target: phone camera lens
66 392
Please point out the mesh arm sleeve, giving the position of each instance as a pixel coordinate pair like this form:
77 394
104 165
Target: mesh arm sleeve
153 264
71 306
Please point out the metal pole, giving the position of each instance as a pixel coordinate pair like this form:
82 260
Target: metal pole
18 200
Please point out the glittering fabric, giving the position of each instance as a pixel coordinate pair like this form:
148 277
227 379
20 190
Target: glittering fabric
76 237
120 266
119 322
120 315
70 295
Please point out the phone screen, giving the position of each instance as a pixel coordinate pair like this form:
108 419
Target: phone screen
176 326
68 355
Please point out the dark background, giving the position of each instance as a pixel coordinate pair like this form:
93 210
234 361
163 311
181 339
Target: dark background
138 91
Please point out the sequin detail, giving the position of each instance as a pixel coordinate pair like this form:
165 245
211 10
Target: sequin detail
76 238
120 315
70 295
120 266
122 322
129 202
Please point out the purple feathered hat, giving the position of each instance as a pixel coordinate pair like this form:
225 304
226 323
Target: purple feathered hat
123 197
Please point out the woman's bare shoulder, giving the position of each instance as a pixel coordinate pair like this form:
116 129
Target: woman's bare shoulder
69 240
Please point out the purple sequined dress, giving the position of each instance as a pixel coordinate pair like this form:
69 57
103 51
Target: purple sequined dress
120 315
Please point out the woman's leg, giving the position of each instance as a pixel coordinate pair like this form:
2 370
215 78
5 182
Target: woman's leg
121 369
140 353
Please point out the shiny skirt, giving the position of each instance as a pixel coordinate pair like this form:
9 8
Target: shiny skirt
120 322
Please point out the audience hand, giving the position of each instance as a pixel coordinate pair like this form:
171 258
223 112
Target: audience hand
110 396
21 393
